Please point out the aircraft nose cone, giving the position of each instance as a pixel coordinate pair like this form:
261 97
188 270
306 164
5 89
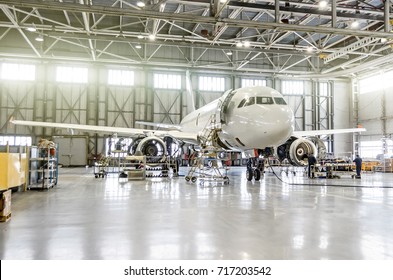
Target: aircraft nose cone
282 125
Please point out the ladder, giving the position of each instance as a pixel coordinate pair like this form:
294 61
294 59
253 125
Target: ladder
215 172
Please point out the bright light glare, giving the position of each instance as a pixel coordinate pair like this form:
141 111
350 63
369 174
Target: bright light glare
31 29
323 4
152 37
239 44
140 4
355 24
138 46
376 83
246 44
309 49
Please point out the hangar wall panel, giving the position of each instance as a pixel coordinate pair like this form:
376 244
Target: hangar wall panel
342 117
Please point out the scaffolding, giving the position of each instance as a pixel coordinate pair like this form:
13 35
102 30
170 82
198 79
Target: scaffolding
207 165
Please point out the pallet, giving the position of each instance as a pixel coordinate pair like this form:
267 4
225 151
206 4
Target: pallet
4 219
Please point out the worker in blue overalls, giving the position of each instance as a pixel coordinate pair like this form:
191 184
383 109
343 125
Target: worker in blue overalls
358 163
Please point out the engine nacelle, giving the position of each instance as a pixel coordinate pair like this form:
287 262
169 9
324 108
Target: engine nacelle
295 150
152 147
299 149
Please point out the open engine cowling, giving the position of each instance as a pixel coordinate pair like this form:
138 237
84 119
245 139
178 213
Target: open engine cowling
295 150
152 147
299 149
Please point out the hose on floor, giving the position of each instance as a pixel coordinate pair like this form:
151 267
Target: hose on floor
330 185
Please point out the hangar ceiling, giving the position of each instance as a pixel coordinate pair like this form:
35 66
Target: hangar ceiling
290 38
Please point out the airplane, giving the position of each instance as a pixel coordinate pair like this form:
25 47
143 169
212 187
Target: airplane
249 119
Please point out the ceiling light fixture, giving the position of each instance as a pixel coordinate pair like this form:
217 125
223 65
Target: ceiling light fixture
322 4
140 36
32 28
39 38
354 24
239 44
246 44
310 49
384 40
152 37
140 4
228 53
138 46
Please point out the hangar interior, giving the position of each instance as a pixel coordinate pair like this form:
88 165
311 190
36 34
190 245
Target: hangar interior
116 63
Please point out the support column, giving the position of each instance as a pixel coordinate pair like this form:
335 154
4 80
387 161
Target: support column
334 13
277 11
387 15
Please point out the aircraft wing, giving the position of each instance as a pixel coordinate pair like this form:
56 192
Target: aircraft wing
160 125
326 132
123 131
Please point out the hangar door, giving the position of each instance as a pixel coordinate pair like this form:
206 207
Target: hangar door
72 150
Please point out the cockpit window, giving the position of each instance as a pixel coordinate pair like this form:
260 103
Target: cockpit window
264 100
250 101
280 101
242 103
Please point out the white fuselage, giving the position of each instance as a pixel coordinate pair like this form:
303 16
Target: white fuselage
254 118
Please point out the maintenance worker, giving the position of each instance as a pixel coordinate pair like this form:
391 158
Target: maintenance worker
358 163
311 165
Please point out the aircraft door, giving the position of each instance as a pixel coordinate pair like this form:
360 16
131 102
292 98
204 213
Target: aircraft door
225 106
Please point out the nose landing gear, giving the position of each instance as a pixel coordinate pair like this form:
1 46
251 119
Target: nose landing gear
255 169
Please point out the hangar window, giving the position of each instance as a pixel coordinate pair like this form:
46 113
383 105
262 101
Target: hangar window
323 89
15 140
71 74
169 81
292 87
20 72
375 83
121 77
211 83
253 82
371 149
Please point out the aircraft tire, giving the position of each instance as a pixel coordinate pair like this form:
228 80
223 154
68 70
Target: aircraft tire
249 174
257 174
193 179
188 178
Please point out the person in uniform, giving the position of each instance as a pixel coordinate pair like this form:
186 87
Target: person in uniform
358 164
311 165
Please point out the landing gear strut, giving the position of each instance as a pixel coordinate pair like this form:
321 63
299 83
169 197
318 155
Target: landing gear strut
255 169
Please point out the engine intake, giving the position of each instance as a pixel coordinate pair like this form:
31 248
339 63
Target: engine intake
295 150
152 147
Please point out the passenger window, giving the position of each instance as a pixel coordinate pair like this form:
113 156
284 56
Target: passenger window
280 101
241 103
264 100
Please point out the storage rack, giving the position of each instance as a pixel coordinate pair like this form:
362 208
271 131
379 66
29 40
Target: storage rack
43 169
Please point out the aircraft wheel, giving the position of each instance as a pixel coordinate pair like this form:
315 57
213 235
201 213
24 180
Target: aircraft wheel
193 179
257 174
249 174
96 175
188 178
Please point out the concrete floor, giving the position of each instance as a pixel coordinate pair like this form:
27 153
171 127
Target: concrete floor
88 218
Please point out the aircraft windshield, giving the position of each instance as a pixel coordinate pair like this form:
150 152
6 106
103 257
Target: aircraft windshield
259 100
264 100
280 101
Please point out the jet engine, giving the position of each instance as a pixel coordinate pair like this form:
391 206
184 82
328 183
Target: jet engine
152 147
295 150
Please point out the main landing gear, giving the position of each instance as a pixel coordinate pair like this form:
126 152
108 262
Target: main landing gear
255 169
